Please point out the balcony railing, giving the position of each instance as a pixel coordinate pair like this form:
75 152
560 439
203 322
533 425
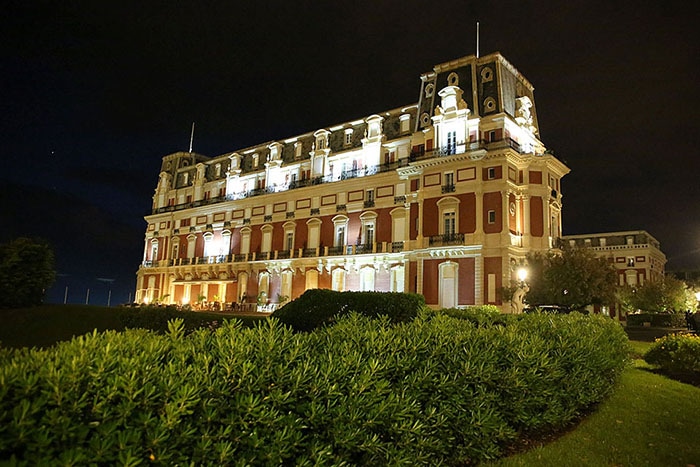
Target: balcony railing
446 239
359 249
354 173
448 188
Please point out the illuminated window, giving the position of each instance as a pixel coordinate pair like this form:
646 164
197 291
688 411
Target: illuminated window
449 207
340 224
348 137
154 249
338 280
297 150
367 279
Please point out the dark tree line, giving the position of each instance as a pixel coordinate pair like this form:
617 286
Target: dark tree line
27 270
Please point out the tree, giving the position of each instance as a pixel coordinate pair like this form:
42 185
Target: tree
574 278
669 294
26 271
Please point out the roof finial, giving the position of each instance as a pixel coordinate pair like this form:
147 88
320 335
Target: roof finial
192 137
477 39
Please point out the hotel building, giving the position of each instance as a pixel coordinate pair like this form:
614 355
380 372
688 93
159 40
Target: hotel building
444 197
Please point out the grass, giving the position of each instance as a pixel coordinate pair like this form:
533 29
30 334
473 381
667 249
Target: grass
650 420
44 326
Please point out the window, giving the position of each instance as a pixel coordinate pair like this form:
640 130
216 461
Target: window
367 279
245 240
289 241
348 137
492 135
297 150
338 280
340 235
405 120
451 142
630 262
449 222
368 220
492 217
369 233
154 249
491 173
256 160
209 244
369 198
266 238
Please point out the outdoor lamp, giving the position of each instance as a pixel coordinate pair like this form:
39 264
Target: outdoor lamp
522 275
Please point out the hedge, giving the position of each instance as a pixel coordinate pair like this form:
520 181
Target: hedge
676 353
321 307
657 320
437 390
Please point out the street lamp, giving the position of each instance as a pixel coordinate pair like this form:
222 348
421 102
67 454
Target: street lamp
522 275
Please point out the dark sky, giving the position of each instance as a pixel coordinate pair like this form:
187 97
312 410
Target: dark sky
94 93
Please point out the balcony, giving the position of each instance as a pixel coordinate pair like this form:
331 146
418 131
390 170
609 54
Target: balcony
446 239
448 188
349 174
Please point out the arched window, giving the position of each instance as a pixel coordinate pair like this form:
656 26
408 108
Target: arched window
340 224
311 279
338 279
314 235
154 250
367 279
448 285
369 221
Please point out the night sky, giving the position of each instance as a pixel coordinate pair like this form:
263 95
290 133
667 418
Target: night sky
94 93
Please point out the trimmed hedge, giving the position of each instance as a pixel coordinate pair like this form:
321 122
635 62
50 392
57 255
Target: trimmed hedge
676 353
657 320
320 307
437 390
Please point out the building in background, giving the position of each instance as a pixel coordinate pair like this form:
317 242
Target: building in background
636 255
444 197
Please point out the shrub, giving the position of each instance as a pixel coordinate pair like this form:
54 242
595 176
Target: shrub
480 315
156 318
657 320
320 307
675 353
436 390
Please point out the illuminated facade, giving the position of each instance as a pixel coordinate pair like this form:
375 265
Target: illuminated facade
443 198
636 255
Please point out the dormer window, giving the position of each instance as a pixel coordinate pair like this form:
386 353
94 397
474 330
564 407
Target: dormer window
256 160
321 142
348 137
297 150
405 120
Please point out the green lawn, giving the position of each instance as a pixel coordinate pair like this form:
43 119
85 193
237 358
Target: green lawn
650 420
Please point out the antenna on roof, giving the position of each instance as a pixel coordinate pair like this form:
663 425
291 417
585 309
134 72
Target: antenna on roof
477 39
191 136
